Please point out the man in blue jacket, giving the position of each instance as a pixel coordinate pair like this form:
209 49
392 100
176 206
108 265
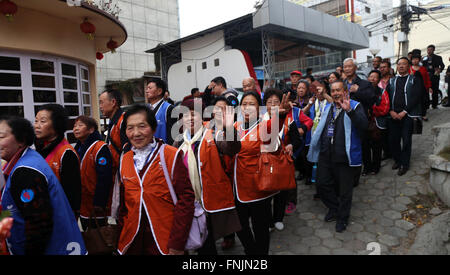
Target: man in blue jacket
336 147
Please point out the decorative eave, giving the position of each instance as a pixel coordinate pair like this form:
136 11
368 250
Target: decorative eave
107 25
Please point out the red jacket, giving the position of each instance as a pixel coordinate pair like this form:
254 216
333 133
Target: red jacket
383 108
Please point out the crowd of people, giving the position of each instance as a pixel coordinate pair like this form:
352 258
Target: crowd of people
162 165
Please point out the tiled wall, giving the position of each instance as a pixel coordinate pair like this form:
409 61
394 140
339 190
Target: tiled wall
148 23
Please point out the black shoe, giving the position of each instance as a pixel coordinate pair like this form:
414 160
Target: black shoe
395 166
341 226
331 216
308 181
402 171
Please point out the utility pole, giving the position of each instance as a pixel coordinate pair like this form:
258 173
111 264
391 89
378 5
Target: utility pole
404 27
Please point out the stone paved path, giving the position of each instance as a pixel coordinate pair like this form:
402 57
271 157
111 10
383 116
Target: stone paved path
378 204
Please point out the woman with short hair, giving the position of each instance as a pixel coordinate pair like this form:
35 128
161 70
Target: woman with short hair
303 92
43 219
254 133
421 74
49 126
96 171
204 146
151 222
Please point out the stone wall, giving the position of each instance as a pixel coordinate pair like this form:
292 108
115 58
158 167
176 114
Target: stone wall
440 162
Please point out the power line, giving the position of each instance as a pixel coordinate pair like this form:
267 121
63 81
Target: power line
438 21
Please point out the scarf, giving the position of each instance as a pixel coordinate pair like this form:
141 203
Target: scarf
191 160
318 109
141 156
267 117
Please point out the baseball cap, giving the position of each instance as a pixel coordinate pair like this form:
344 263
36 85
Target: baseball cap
296 72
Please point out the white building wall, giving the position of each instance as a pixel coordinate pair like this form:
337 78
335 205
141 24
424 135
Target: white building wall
148 23
382 37
232 65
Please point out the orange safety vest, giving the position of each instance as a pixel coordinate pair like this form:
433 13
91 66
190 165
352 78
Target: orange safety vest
217 191
89 179
54 159
246 166
115 138
147 196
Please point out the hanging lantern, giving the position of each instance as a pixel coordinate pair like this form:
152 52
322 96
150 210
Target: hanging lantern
88 28
8 8
99 55
112 45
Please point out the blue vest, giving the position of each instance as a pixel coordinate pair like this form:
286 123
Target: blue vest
161 115
66 237
352 140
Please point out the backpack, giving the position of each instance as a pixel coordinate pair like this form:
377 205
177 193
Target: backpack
199 231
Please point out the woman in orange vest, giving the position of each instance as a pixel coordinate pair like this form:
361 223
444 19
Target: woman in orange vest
96 171
49 126
292 140
151 223
254 134
203 146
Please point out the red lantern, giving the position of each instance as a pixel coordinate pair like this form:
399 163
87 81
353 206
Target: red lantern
88 28
99 55
112 45
8 8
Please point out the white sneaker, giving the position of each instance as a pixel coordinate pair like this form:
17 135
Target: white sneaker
279 226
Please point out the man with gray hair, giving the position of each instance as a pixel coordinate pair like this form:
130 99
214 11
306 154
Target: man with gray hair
249 84
359 89
362 91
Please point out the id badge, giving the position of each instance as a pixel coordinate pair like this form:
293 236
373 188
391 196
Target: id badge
330 132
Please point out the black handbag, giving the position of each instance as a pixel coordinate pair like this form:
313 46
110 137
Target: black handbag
417 126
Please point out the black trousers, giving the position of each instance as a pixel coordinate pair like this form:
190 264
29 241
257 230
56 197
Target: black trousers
372 154
279 206
302 164
435 86
400 139
256 240
209 246
366 152
335 186
425 102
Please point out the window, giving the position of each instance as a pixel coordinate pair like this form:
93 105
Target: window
204 66
385 38
370 34
216 62
367 9
28 81
189 68
11 97
384 17
9 63
85 91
